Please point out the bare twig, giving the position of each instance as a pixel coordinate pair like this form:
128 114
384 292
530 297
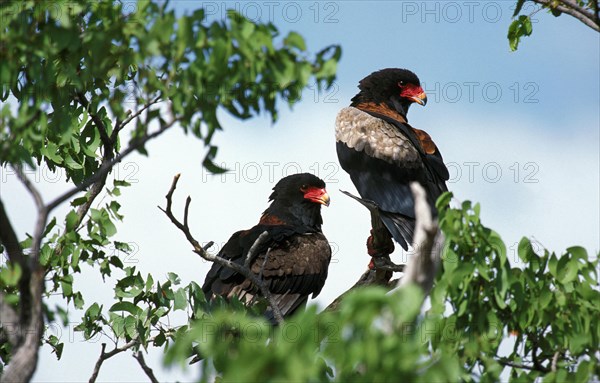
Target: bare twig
106 355
508 363
572 8
133 116
140 358
554 361
188 201
261 238
245 271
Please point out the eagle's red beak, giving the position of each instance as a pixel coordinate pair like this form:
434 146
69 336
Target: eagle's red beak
317 195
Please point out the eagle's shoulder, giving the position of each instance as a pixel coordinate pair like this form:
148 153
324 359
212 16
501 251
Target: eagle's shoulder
375 137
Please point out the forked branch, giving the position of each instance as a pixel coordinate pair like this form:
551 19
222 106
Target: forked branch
202 251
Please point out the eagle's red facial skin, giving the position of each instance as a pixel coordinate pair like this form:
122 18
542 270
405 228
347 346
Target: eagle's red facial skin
317 195
414 93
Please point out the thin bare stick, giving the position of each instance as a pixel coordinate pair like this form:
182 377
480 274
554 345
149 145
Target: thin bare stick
554 361
261 238
133 116
140 358
106 355
245 271
508 363
188 201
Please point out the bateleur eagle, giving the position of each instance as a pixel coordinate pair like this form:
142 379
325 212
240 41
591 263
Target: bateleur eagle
383 154
296 251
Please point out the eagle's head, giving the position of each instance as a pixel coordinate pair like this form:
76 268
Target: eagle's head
394 87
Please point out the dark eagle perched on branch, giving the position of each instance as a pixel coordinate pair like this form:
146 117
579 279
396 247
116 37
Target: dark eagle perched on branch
383 154
291 259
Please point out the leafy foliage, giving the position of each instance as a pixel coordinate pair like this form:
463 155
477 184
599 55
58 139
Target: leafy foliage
481 306
79 74
585 11
85 83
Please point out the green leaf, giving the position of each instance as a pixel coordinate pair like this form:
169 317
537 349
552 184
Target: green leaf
121 183
520 27
93 311
173 278
10 275
79 201
525 251
71 221
209 164
578 252
552 265
443 200
180 300
295 40
125 306
569 272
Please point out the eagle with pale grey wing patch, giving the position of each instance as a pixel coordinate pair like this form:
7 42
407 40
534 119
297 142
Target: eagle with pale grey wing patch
383 154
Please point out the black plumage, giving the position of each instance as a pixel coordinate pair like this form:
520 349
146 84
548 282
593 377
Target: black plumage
383 154
294 257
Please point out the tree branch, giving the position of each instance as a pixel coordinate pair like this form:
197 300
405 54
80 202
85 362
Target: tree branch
133 116
31 286
109 144
554 361
8 238
25 356
422 268
254 248
9 321
509 363
106 355
201 251
24 359
106 141
140 358
35 194
591 19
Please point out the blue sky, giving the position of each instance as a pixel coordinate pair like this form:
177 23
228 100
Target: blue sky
519 131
